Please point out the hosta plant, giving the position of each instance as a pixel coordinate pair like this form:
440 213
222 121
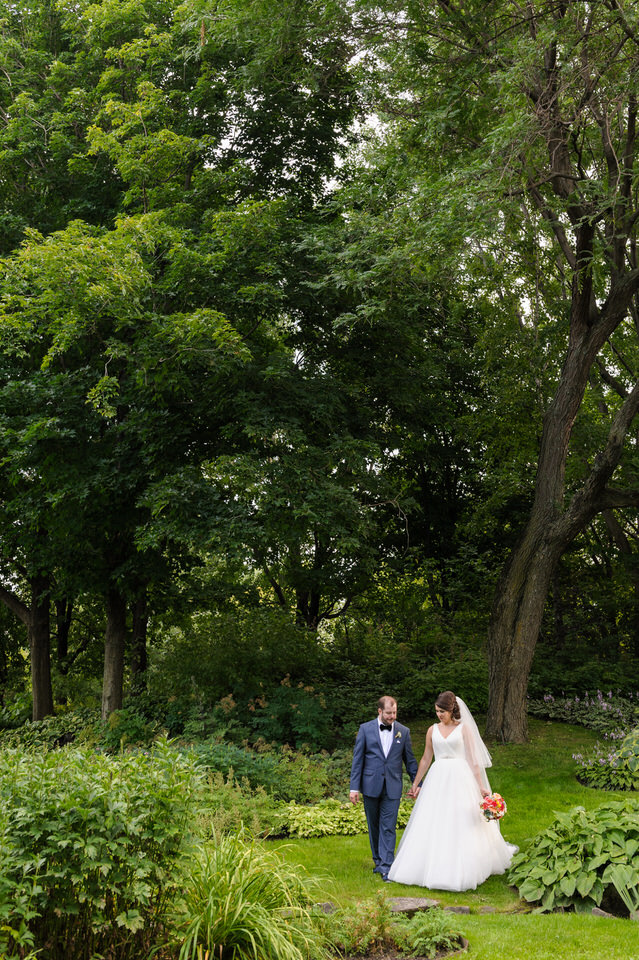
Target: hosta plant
574 861
331 818
609 767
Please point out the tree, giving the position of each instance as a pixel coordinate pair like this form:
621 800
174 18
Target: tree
142 332
532 110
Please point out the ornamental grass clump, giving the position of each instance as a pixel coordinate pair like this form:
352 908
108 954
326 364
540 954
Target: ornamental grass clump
88 850
241 902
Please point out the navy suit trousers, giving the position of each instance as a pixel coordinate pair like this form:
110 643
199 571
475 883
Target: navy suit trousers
381 816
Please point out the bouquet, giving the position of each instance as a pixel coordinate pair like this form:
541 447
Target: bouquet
493 806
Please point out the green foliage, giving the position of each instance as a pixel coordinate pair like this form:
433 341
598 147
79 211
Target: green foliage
330 817
604 769
52 732
127 727
363 927
465 671
241 901
228 802
574 861
292 713
605 766
286 774
240 653
15 712
369 927
610 768
427 933
89 848
607 713
626 883
629 750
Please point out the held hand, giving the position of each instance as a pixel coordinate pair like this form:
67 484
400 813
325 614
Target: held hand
354 796
413 792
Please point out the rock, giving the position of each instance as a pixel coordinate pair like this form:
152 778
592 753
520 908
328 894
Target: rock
596 912
487 909
327 907
411 905
457 909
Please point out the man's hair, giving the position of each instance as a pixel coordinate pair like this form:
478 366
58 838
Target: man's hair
381 703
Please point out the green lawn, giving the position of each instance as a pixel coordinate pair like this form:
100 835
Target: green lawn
536 780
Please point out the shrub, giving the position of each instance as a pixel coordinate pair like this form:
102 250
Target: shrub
16 711
52 732
361 928
426 933
241 901
608 768
331 817
291 713
609 713
370 927
327 818
127 727
629 750
228 802
280 771
88 847
574 861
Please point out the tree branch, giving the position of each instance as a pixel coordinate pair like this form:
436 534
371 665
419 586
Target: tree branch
594 495
16 605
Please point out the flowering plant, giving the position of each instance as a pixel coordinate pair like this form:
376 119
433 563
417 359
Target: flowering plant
493 806
398 735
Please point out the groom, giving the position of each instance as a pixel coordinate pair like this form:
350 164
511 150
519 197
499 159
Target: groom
382 749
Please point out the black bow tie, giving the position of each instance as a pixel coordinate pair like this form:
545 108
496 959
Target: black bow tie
384 726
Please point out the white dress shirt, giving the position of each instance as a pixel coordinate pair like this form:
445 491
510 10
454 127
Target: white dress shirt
386 736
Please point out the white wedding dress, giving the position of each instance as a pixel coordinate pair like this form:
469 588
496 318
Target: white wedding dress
447 843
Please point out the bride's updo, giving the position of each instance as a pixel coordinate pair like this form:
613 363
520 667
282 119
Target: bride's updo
448 701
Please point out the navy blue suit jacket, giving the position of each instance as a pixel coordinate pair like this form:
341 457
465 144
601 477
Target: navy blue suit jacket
371 769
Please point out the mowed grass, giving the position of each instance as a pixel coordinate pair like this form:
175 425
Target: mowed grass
537 780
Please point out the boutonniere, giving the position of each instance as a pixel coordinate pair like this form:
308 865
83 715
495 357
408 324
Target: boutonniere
398 735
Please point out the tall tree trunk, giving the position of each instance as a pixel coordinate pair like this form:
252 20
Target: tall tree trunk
138 645
114 647
523 587
515 623
39 646
36 618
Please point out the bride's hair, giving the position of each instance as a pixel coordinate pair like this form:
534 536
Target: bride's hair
448 701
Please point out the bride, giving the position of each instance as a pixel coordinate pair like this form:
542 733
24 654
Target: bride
447 843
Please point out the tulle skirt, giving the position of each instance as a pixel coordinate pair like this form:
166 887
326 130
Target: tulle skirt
447 843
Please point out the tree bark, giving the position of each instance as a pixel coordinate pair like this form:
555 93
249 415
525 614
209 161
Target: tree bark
114 647
36 618
523 587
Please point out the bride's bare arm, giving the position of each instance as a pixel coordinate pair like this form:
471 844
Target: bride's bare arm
424 764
